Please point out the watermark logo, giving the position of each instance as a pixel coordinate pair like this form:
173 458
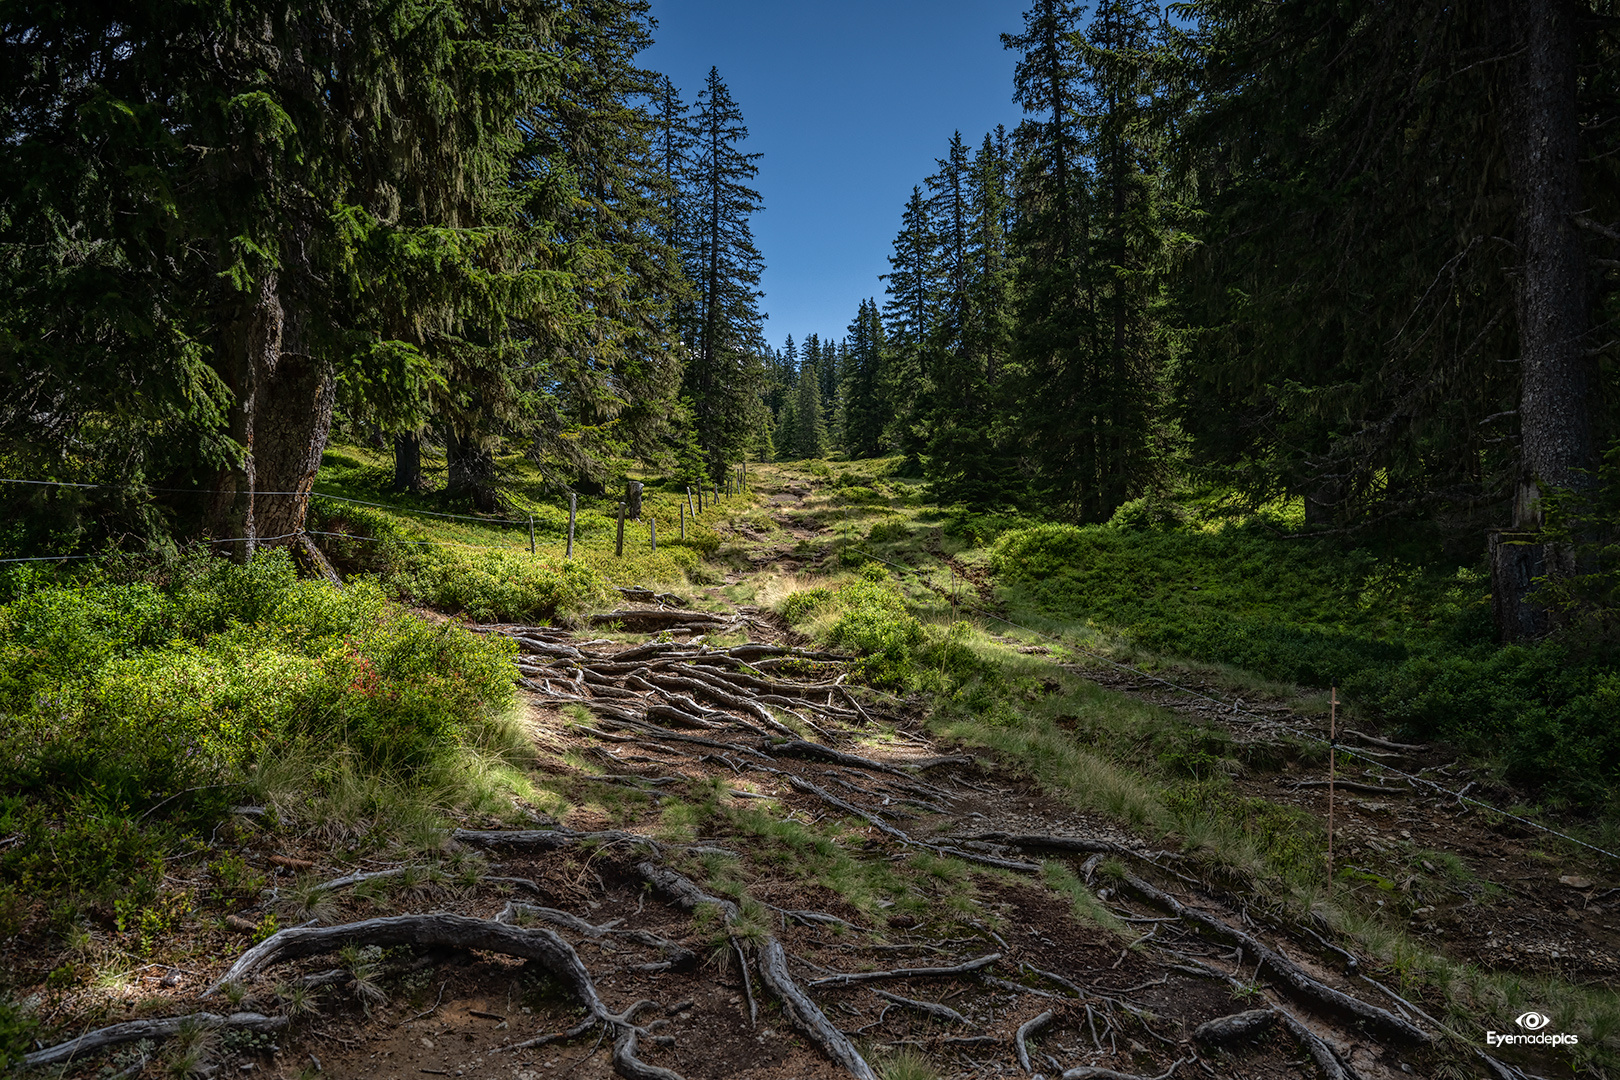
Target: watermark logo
1535 1022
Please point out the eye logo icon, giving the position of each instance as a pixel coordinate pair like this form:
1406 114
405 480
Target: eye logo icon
1532 1021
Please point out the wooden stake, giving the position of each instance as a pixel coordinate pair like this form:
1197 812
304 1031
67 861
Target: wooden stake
531 534
683 519
618 547
1333 746
652 525
689 508
573 507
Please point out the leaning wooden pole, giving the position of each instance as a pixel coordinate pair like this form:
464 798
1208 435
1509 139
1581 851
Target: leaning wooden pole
573 508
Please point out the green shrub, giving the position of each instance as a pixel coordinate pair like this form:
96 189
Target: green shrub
122 695
1408 639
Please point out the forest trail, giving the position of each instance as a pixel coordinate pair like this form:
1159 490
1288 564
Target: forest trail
925 908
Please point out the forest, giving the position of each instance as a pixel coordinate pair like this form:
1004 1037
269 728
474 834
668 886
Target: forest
1207 531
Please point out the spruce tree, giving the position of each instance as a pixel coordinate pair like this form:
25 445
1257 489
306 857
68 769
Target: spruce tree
240 211
1063 452
866 406
910 313
725 367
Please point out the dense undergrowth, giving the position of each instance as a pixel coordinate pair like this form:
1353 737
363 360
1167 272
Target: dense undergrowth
143 702
484 569
1407 640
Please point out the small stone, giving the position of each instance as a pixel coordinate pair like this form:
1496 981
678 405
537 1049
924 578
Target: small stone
1575 882
428 1043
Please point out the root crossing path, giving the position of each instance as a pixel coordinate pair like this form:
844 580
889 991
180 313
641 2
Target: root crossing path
765 870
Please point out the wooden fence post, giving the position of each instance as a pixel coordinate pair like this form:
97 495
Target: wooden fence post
683 521
652 524
531 534
573 507
632 499
618 547
689 500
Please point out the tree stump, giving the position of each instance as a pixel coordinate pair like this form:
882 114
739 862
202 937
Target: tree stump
632 499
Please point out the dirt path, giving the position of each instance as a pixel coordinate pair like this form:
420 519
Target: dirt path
716 746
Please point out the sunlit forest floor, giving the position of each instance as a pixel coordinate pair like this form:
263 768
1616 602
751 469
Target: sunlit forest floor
895 737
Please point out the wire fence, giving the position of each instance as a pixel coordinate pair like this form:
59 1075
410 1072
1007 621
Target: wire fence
1233 709
528 523
1228 708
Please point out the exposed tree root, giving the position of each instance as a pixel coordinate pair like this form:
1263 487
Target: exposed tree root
1087 1072
932 1008
801 1012
1025 1030
878 823
851 978
135 1030
459 932
678 955
1288 972
1225 1030
1331 1065
547 839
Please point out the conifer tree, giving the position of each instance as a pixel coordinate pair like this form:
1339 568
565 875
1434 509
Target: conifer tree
243 200
1054 346
910 315
810 425
725 368
866 409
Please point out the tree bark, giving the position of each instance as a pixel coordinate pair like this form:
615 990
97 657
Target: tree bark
281 419
471 472
1552 298
407 463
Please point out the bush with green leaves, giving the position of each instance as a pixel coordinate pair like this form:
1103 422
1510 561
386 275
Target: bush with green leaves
1407 636
124 691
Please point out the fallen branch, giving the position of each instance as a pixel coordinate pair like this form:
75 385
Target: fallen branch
1025 1030
851 978
135 1030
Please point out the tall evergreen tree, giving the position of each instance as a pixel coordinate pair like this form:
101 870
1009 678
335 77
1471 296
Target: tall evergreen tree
216 216
1054 347
725 368
910 314
810 423
867 409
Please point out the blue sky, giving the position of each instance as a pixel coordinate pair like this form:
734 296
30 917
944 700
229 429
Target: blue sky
851 103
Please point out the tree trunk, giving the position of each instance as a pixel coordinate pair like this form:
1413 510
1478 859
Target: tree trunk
471 472
281 419
407 463
1553 303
